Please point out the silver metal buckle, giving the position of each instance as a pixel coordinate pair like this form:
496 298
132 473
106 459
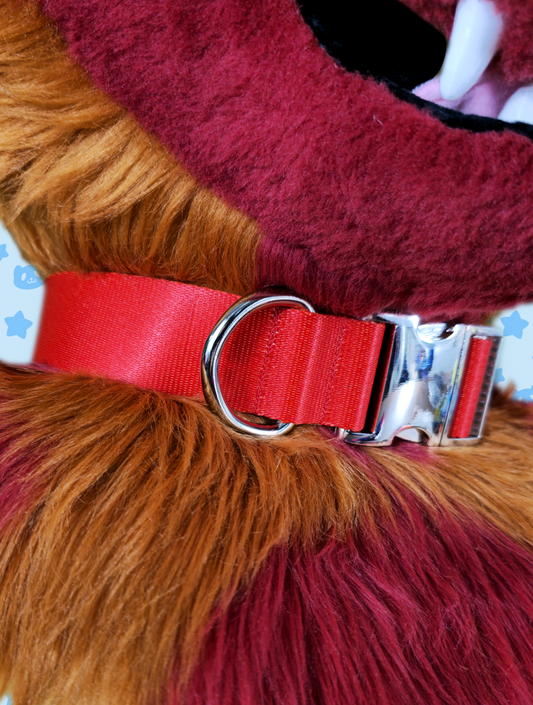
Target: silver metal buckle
423 378
422 386
213 349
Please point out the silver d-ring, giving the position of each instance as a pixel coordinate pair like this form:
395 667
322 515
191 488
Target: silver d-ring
213 349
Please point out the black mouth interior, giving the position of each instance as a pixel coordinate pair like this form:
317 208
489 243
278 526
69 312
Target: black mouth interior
381 38
386 40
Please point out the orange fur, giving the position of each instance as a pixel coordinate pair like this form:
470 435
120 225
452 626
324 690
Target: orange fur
83 188
149 513
144 514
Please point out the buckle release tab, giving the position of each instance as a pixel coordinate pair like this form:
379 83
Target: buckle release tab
426 381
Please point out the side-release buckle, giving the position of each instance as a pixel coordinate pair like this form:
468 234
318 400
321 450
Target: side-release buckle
425 376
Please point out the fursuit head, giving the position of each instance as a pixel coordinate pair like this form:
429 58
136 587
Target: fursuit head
331 202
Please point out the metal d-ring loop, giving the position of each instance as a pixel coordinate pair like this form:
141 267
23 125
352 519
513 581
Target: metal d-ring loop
213 349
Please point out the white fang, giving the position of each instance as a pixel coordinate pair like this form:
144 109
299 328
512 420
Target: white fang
476 31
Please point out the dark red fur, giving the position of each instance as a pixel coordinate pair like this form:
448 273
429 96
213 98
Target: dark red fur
414 612
516 53
18 485
439 13
366 202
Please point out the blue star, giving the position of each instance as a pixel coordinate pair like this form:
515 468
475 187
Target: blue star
524 394
3 252
17 324
514 325
498 376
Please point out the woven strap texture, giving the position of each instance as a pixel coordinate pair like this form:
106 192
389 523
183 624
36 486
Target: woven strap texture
285 364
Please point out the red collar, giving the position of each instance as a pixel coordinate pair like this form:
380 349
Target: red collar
285 364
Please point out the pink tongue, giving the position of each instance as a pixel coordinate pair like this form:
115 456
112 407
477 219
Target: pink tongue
486 98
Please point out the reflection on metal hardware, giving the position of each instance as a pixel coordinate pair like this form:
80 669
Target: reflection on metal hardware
424 375
213 349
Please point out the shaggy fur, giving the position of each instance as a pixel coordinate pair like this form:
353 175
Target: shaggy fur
371 621
515 55
136 517
84 189
147 553
328 163
140 517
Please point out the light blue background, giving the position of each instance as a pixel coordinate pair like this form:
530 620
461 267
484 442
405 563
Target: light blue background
12 300
515 361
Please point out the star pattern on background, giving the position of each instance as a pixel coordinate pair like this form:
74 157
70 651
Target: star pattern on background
514 325
3 253
17 325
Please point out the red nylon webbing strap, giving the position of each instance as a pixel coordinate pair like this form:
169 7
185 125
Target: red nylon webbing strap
285 364
474 375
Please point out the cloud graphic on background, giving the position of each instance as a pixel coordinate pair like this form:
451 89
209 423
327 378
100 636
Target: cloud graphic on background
17 325
498 376
524 394
3 253
27 277
514 324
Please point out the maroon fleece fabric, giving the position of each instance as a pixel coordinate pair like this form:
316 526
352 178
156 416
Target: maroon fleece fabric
439 13
366 203
418 610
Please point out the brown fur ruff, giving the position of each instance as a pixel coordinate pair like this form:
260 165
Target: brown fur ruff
142 514
84 189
